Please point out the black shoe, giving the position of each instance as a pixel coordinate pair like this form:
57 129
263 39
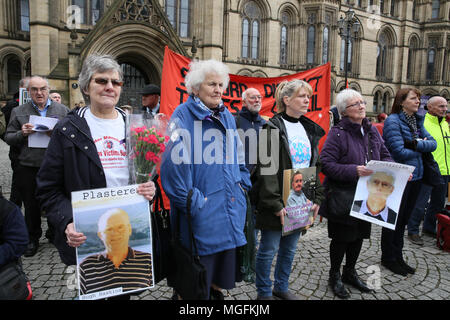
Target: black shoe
429 233
49 235
349 276
215 295
406 267
32 249
337 286
395 267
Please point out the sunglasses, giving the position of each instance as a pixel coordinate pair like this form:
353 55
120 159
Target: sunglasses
104 82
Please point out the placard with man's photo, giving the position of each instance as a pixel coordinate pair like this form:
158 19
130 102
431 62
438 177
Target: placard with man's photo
116 257
378 196
299 187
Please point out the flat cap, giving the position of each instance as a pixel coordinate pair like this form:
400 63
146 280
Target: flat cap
150 89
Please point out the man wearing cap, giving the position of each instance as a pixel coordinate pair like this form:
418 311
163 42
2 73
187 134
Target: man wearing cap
150 99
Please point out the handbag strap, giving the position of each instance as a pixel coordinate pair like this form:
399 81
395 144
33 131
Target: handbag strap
189 218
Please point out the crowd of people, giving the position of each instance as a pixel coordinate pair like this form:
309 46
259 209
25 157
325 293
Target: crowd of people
43 178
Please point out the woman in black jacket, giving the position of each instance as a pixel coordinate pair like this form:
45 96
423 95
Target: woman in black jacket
285 153
73 159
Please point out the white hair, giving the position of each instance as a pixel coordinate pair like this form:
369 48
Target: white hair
343 97
103 220
199 69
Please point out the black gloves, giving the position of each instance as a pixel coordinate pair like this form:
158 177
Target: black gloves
411 144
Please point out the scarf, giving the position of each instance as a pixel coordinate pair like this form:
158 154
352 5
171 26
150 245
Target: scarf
412 124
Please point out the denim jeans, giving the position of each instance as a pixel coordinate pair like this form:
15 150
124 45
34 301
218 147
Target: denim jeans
272 243
419 210
427 210
437 203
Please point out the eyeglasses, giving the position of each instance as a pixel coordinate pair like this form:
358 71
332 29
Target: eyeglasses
357 104
384 184
255 97
104 82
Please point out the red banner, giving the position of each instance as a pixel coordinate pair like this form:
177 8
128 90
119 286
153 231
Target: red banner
174 93
173 90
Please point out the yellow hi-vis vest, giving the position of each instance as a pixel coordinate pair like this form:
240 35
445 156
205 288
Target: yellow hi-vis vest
441 133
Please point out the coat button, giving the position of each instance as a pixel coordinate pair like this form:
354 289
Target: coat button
232 199
64 129
72 136
86 147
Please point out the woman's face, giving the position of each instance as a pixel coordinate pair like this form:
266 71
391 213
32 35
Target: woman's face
297 104
104 89
411 103
355 109
211 90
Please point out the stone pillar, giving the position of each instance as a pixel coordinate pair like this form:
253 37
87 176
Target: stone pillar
43 37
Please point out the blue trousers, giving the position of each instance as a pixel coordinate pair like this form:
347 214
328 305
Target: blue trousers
425 210
272 243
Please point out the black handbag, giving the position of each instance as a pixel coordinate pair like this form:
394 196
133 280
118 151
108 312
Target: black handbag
187 275
431 173
340 198
161 235
14 284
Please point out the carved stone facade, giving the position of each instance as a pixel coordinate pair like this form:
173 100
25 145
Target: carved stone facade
400 42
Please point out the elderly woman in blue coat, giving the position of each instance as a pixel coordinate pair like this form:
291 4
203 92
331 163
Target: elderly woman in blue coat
208 159
406 139
349 146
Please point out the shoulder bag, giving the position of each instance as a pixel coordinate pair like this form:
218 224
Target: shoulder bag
187 275
161 235
431 173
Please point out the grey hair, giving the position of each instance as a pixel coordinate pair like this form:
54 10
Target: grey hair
244 94
288 89
343 97
24 82
198 71
28 80
386 172
93 64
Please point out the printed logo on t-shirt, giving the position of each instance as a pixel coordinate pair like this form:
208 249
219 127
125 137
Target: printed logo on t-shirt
300 152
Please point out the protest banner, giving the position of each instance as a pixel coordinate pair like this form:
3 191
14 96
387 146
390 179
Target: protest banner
174 93
116 257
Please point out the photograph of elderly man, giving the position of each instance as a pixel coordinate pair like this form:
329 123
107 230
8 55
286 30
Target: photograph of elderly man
119 265
380 186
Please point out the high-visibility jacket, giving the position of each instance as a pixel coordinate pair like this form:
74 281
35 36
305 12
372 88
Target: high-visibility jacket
441 133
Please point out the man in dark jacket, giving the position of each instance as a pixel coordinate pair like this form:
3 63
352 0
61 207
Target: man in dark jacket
150 99
15 195
30 159
250 123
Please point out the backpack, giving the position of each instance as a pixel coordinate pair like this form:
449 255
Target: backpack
14 284
443 232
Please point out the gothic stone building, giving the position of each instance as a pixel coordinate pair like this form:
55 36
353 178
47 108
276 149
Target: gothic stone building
399 42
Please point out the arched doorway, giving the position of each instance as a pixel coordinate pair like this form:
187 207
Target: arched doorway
137 73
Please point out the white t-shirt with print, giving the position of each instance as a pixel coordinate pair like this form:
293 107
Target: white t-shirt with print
299 144
109 138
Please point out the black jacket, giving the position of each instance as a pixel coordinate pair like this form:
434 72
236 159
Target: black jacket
270 186
71 163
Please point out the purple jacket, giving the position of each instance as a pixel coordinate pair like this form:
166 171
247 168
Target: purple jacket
345 149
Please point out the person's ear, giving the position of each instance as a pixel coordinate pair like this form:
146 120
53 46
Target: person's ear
99 234
286 100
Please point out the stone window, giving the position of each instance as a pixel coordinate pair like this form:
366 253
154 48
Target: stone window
14 73
285 22
90 10
326 45
24 15
435 6
179 14
385 56
431 57
251 23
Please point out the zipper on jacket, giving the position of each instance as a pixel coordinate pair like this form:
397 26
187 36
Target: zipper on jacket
445 144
